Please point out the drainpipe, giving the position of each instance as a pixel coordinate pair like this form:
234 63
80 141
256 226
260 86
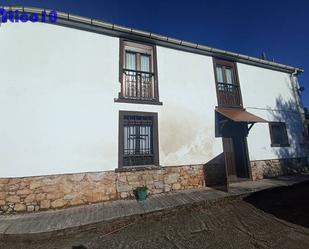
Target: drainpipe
297 98
299 105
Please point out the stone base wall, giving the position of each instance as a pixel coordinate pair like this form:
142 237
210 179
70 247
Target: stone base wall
276 167
162 180
29 194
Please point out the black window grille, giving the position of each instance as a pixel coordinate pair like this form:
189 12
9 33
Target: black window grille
138 140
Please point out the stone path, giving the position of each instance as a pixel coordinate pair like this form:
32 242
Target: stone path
59 222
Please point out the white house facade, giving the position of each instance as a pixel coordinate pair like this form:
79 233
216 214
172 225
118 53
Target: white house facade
90 111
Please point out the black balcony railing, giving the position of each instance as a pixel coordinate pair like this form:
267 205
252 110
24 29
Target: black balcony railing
229 94
138 85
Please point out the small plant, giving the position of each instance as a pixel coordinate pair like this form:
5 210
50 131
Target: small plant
140 193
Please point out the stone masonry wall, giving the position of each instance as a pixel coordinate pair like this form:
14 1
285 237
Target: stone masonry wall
276 167
29 194
56 191
162 180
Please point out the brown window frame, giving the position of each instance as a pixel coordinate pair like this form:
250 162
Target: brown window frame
155 139
139 49
224 64
285 139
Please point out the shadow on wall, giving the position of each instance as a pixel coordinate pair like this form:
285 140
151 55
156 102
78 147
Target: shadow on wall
287 112
307 124
215 173
288 203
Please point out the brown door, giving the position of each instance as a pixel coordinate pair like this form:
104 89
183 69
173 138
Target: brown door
235 151
230 164
241 159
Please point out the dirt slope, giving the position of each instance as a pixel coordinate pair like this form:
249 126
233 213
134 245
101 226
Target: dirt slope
236 225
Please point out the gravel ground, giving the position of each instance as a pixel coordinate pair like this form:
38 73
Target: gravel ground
236 225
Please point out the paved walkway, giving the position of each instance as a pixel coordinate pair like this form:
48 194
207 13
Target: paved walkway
51 223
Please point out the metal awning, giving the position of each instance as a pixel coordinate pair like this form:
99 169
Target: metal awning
240 115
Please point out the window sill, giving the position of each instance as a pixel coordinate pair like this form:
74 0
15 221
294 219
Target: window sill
138 168
230 106
280 145
138 101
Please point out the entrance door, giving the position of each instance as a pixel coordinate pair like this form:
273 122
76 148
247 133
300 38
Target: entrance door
235 151
241 159
229 156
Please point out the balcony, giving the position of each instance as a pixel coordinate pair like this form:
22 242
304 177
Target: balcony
229 95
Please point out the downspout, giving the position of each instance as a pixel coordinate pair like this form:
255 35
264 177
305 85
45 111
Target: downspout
295 87
297 97
299 105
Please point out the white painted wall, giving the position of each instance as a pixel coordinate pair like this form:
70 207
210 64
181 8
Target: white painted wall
56 93
58 115
269 94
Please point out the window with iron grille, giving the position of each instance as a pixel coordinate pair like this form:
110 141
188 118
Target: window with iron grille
138 72
138 142
278 134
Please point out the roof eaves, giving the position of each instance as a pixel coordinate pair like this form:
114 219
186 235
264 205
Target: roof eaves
153 36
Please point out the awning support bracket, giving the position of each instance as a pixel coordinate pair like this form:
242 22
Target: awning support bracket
251 125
